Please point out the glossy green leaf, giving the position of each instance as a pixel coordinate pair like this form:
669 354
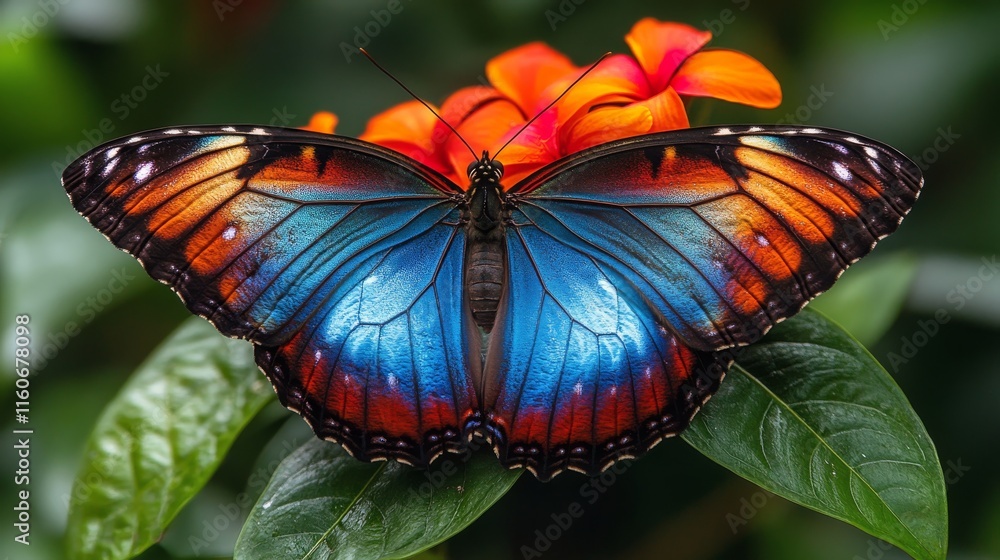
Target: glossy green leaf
322 503
808 414
160 440
870 296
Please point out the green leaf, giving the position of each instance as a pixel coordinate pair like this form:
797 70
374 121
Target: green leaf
322 503
808 414
438 553
160 440
870 296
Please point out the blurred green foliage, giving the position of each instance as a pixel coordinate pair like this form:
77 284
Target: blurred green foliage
919 74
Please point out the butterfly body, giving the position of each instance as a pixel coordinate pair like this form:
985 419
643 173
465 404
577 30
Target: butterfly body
484 212
612 282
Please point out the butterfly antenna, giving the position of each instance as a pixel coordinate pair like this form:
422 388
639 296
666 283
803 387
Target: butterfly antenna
422 102
554 101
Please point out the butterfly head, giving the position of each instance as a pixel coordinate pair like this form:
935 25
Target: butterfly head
485 169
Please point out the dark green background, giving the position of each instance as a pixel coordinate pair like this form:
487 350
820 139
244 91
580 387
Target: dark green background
930 75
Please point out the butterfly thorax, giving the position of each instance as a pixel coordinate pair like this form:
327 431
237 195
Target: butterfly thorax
485 212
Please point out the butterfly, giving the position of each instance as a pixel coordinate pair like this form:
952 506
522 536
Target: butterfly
573 319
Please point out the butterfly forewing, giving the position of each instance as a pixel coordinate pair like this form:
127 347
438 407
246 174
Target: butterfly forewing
340 260
726 232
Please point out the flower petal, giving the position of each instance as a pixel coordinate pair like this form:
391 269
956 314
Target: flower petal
456 110
534 147
662 46
408 129
729 75
617 80
406 122
607 124
525 73
323 121
485 127
463 103
667 110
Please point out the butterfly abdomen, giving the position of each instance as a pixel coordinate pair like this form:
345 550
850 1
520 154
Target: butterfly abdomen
484 275
484 251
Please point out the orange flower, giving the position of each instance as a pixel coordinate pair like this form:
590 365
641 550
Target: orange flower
408 128
720 73
624 96
669 63
526 79
480 114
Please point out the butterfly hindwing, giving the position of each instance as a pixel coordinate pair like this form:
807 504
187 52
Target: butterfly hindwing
580 371
340 260
383 363
635 264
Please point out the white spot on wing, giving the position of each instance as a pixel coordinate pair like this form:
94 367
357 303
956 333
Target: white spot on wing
135 139
872 152
229 129
173 131
229 233
762 240
578 388
258 131
811 131
852 139
143 171
393 382
755 129
112 152
723 131
842 172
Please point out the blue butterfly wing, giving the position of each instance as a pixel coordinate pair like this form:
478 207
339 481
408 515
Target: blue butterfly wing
340 261
580 370
634 263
